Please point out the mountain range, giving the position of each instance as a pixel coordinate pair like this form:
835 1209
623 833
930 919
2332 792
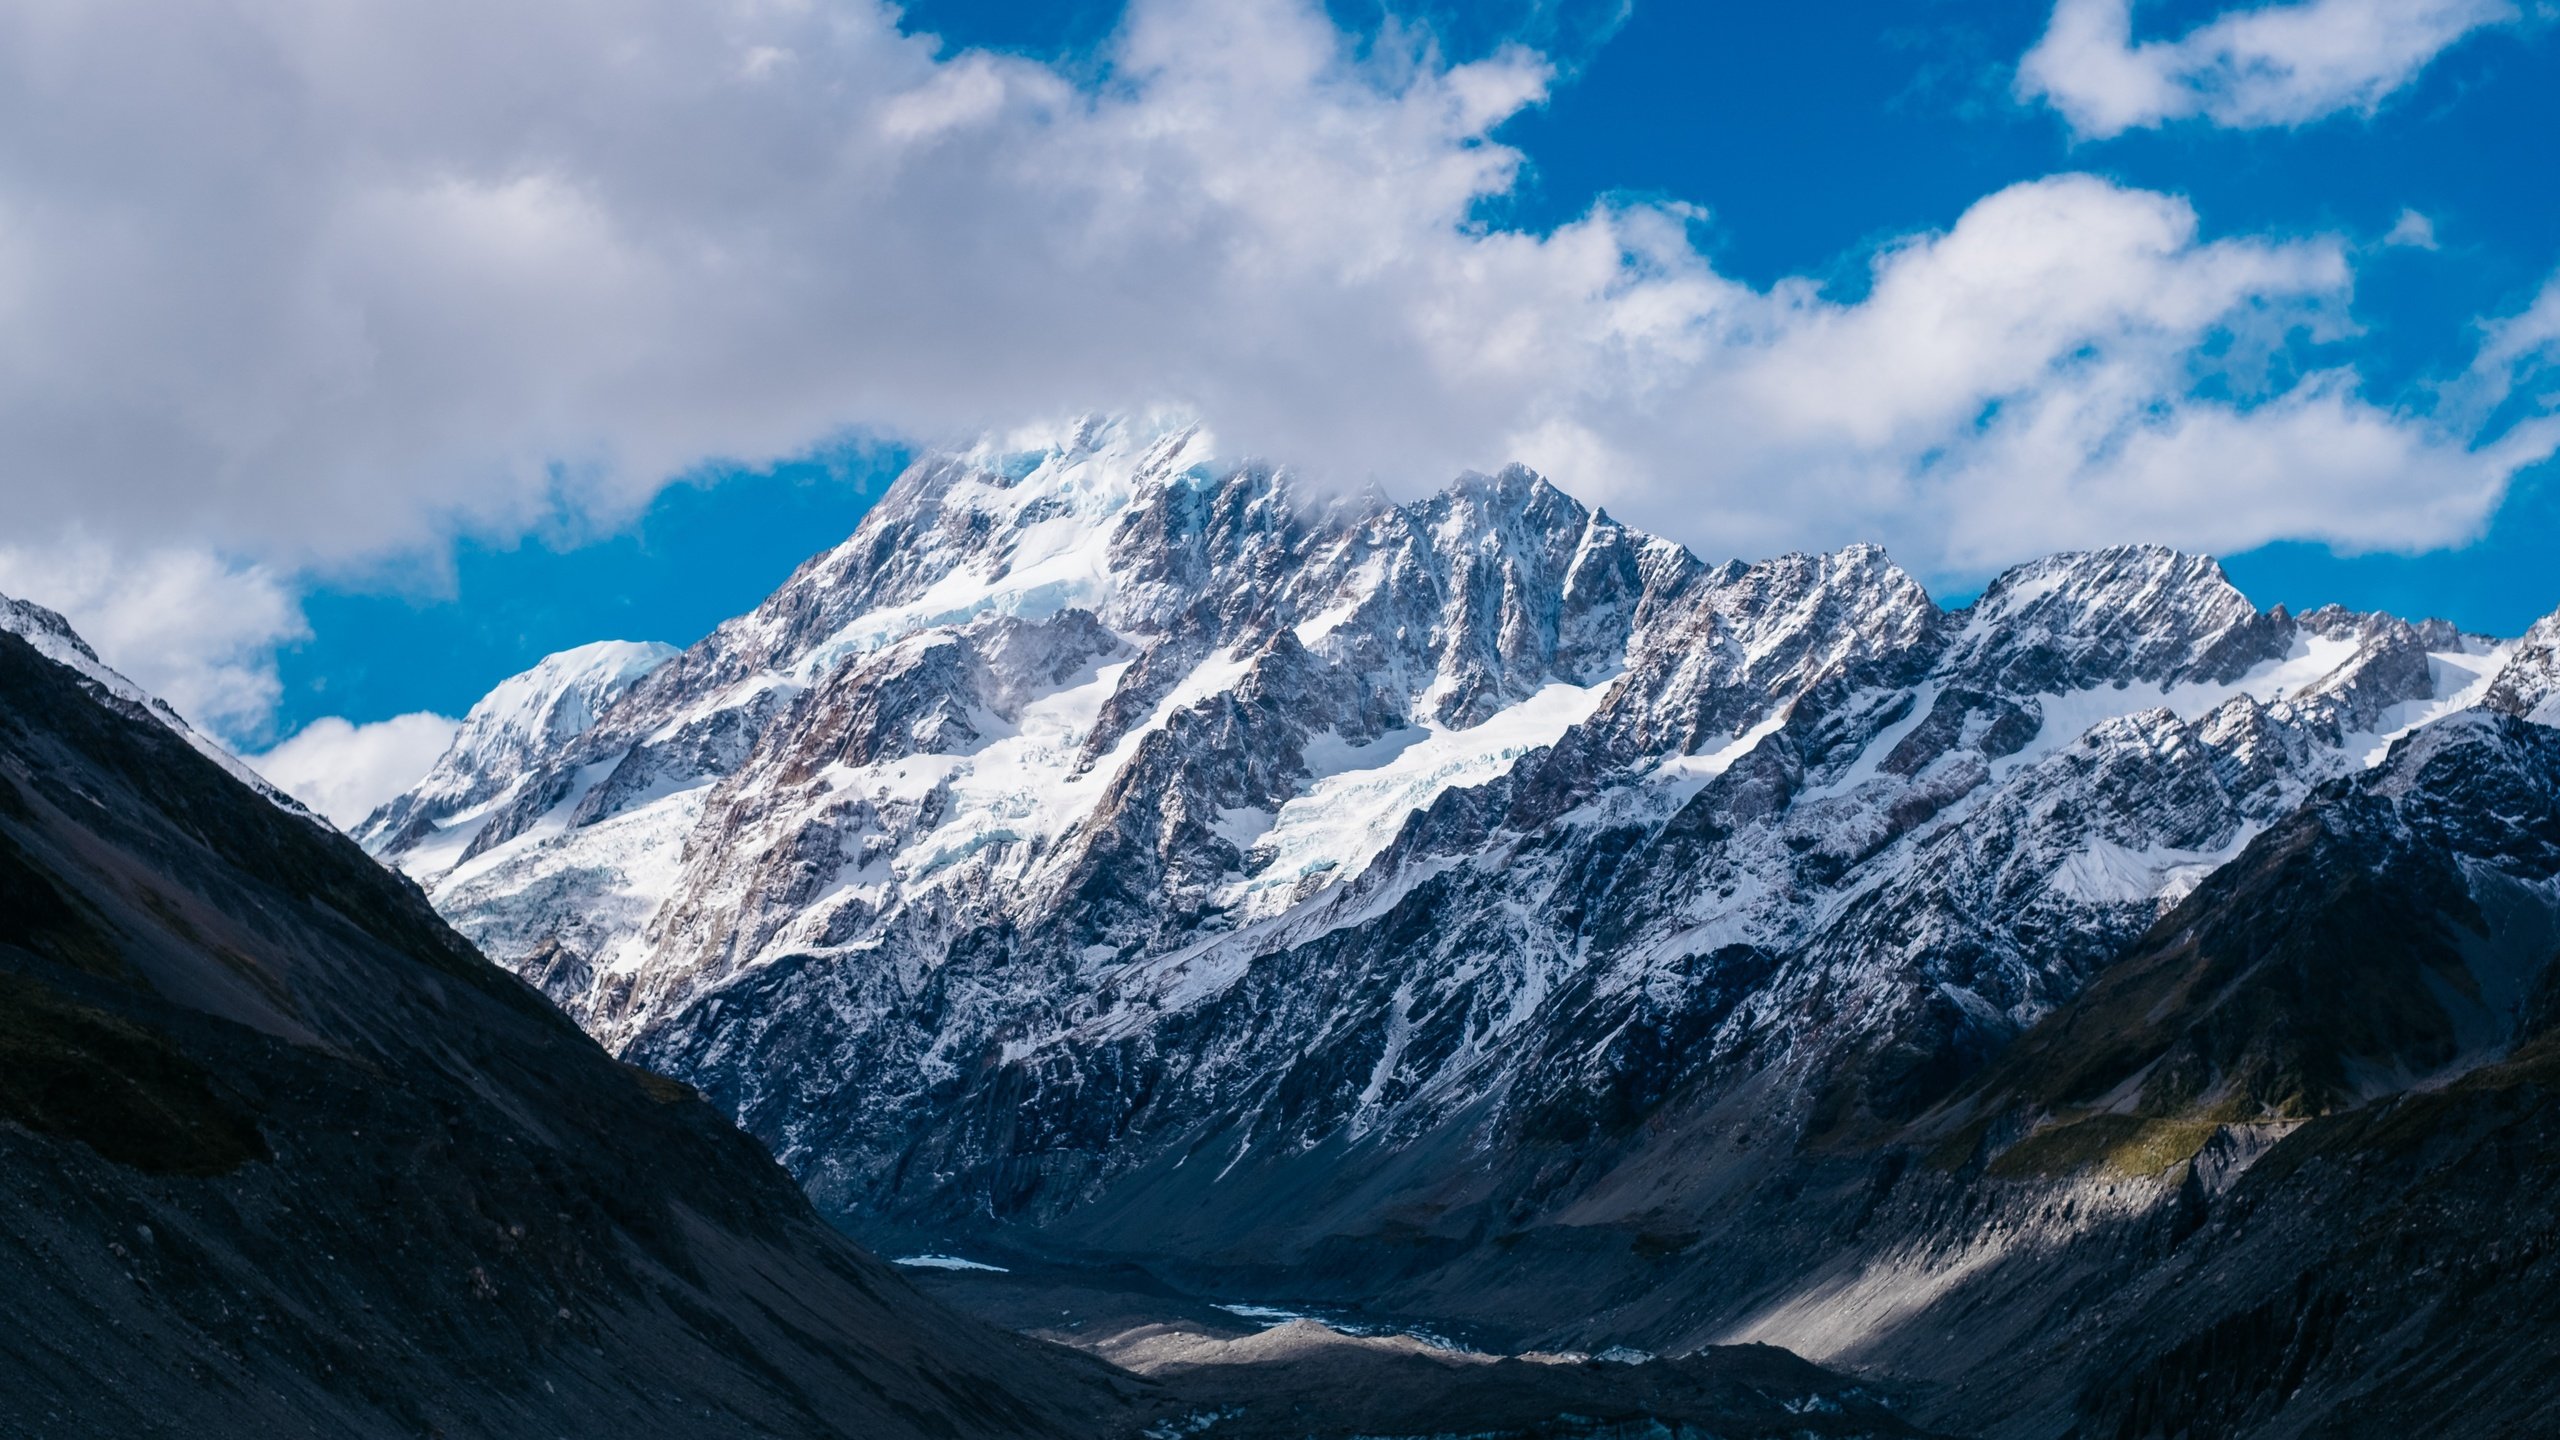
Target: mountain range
2106 1006
284 1154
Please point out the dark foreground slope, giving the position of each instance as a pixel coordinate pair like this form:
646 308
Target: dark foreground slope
282 1155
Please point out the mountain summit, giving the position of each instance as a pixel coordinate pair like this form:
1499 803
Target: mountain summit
1105 853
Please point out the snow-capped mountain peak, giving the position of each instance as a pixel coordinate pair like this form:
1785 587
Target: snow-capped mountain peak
528 717
1267 822
2133 613
2529 683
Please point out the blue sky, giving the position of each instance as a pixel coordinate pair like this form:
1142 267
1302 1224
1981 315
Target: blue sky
437 635
1811 134
532 322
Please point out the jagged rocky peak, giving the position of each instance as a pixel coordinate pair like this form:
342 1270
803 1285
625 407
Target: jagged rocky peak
1021 531
528 717
2135 613
1716 652
2529 683
1800 616
1500 548
2171 626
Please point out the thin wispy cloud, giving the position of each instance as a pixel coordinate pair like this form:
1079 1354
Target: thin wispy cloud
2250 67
2412 231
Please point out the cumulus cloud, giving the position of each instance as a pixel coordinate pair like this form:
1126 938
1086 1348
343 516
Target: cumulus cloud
184 625
306 282
356 276
2069 365
343 771
2256 66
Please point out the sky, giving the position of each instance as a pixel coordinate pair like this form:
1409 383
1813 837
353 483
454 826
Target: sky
358 356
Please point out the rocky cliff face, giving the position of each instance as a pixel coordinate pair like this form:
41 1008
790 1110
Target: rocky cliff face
2529 683
1106 841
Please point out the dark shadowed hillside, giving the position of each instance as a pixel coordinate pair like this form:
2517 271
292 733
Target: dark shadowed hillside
285 1156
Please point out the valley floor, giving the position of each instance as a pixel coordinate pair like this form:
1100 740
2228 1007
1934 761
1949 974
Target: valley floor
1237 1370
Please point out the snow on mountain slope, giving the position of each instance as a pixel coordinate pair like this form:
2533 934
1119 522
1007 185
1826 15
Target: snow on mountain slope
2528 684
1100 806
525 717
1347 815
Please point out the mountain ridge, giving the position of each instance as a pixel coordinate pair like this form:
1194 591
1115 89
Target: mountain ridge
1108 855
1188 810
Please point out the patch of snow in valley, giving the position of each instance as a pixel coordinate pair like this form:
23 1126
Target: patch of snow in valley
947 1262
1271 1317
1686 775
1021 785
2104 872
430 859
1866 766
2074 713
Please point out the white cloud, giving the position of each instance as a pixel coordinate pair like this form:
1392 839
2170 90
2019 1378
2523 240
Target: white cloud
2254 66
2515 352
198 632
343 771
2413 230
306 283
2069 365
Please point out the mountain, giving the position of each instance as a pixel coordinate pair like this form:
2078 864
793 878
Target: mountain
2529 684
2287 1167
281 1154
1469 909
504 737
2395 931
